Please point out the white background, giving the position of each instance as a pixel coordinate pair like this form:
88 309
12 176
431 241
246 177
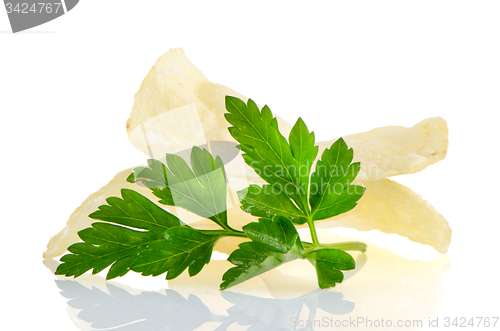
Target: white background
67 87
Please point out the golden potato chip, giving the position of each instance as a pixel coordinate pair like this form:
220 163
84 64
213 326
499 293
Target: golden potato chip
175 82
396 150
390 207
79 220
390 150
386 206
177 107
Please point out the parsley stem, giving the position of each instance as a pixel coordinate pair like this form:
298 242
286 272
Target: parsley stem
314 235
349 246
225 233
346 246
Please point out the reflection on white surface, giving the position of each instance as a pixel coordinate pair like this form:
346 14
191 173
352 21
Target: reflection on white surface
115 308
383 286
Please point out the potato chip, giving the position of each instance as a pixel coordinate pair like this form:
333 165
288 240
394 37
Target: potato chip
175 82
396 150
390 150
390 207
176 85
386 206
79 220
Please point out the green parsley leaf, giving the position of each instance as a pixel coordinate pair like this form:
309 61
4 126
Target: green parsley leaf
328 263
274 242
201 190
184 247
293 191
119 241
303 150
268 152
287 167
331 193
268 202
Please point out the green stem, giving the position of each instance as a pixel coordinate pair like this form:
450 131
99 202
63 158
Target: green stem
225 233
346 246
314 235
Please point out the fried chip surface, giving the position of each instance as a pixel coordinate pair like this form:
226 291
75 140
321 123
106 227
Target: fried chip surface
175 82
177 107
390 207
396 150
386 206
79 220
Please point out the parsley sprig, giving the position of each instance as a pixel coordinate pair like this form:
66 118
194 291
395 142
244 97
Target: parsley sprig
136 234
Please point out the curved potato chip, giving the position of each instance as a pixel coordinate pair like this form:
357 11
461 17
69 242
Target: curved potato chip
386 206
177 107
396 150
390 150
172 83
175 82
79 220
390 207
